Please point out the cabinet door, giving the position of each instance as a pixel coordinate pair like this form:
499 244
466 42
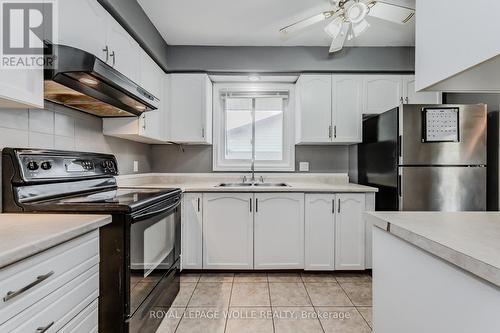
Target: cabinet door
227 231
279 231
314 109
319 232
413 97
82 24
21 88
347 100
192 226
124 52
382 93
151 122
190 111
350 232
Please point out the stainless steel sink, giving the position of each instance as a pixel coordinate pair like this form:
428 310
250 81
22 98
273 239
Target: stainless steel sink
233 184
252 184
272 184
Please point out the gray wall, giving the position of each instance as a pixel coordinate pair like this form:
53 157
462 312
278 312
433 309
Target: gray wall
170 158
133 18
491 99
290 59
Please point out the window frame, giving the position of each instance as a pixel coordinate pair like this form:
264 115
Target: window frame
219 161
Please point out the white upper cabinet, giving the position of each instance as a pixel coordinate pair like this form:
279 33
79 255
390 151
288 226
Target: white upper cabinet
279 231
192 228
82 24
314 109
347 100
189 116
124 52
86 25
148 127
411 96
319 232
227 231
350 231
21 88
152 122
382 93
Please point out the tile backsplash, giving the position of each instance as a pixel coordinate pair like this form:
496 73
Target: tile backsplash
58 127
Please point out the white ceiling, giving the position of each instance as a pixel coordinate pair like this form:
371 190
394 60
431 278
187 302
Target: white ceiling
257 22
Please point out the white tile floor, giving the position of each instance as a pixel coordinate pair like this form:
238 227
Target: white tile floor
271 302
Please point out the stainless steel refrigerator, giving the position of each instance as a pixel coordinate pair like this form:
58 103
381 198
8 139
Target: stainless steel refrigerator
426 157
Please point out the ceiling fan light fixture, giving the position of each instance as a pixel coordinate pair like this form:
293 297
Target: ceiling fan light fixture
359 28
357 12
333 29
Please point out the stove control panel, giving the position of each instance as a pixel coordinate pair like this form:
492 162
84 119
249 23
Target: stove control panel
40 166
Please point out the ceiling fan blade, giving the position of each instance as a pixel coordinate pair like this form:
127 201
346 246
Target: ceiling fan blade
339 40
391 12
308 22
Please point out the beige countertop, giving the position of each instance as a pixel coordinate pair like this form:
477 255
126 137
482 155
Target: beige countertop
469 240
23 235
312 183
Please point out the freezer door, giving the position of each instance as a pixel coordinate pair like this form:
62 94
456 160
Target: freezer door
470 150
442 188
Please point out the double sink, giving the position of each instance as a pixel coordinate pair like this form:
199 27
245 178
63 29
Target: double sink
252 184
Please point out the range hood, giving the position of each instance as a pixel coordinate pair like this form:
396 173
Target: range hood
82 81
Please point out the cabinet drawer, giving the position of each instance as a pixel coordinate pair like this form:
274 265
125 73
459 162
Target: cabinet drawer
57 309
85 322
28 281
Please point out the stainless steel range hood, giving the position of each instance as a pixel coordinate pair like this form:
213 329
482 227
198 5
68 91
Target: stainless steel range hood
82 81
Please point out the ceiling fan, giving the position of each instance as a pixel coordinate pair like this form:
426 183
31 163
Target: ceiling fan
348 19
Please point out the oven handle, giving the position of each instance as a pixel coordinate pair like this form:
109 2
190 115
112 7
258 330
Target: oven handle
157 212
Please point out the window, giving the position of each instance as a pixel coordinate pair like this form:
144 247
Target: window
253 122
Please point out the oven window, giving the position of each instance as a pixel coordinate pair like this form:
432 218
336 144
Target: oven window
152 254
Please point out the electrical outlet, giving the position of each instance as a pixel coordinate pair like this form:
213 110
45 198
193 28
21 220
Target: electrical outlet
304 166
136 166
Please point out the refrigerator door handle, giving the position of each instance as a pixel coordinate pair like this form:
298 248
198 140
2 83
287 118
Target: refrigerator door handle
399 186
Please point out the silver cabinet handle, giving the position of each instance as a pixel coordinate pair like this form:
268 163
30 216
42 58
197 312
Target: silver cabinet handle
335 131
203 133
401 100
199 204
333 206
144 122
250 205
45 328
338 207
256 205
407 100
112 55
39 279
106 50
330 131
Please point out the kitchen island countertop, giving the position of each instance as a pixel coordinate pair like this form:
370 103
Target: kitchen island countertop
469 240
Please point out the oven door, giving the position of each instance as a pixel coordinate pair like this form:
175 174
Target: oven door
154 248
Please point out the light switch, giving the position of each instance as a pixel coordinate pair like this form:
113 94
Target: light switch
136 166
304 166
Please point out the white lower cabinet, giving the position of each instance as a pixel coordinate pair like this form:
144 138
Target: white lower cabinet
192 231
279 231
227 231
350 231
49 290
320 232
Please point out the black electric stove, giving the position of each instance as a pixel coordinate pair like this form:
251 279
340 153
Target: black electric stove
139 250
